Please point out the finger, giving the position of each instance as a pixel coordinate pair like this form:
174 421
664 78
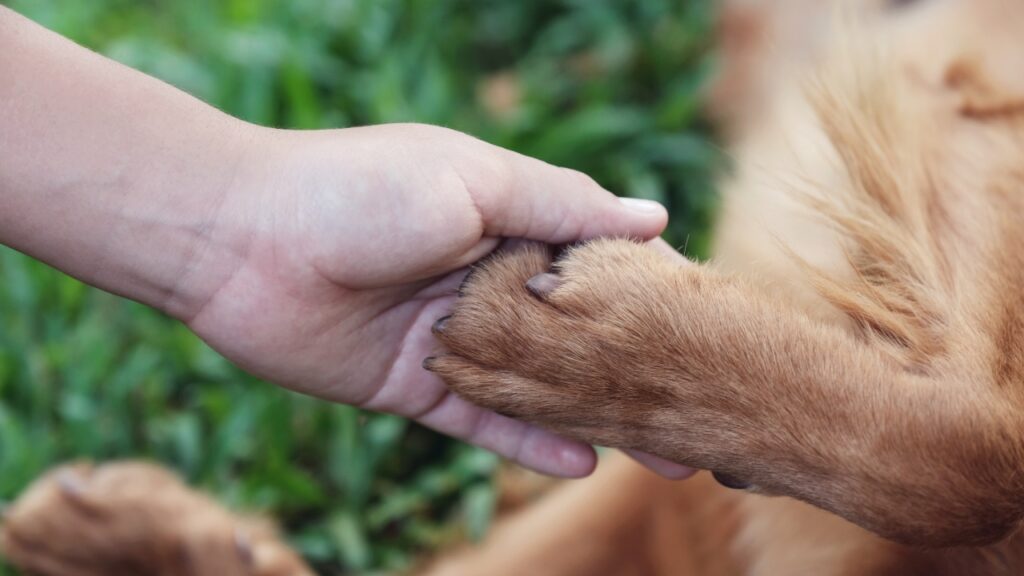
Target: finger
528 445
482 248
660 466
532 199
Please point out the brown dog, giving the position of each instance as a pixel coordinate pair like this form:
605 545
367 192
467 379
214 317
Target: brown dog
857 347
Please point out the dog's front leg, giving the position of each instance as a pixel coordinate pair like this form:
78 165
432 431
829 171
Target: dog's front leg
615 345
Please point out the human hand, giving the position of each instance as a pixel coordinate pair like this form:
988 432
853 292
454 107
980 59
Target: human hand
316 260
349 244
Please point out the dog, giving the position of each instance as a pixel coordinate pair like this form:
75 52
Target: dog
850 365
855 348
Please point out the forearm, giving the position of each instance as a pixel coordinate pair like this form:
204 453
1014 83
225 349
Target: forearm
110 175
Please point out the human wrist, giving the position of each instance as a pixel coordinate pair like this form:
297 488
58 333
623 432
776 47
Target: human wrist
112 176
155 227
200 219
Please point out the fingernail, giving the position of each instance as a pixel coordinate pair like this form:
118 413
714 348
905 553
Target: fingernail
576 462
438 327
428 362
642 205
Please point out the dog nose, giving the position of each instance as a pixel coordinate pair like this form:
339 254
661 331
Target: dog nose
730 481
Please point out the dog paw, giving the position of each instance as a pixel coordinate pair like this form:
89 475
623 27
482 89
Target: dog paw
588 344
135 518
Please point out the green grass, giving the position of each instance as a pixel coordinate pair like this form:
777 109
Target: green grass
607 87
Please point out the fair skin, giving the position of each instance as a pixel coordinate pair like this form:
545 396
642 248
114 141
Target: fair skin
315 260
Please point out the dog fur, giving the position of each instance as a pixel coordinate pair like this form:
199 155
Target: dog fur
857 344
856 348
135 519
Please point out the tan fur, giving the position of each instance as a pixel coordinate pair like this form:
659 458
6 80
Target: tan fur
135 519
859 344
625 521
856 347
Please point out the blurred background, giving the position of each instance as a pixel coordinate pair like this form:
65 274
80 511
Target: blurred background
609 87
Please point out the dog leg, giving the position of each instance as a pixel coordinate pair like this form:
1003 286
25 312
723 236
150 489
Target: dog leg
618 346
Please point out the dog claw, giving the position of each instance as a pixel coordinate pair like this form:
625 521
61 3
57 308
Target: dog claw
542 285
466 280
730 481
438 327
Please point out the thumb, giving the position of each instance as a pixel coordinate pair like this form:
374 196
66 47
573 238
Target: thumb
528 198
